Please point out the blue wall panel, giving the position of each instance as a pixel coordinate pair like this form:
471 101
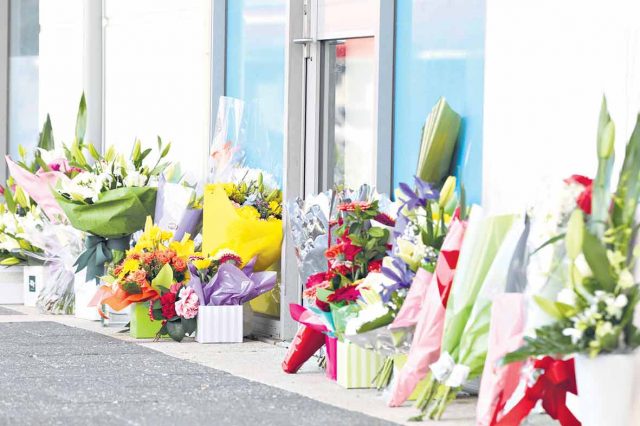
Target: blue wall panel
439 52
255 73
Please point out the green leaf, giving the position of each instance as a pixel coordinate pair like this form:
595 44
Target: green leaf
596 255
322 294
131 288
628 191
549 242
376 232
46 135
166 149
93 151
163 280
175 330
556 310
81 120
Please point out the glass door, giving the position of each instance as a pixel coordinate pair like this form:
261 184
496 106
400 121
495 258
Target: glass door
339 105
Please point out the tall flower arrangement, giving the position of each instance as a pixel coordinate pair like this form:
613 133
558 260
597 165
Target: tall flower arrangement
594 312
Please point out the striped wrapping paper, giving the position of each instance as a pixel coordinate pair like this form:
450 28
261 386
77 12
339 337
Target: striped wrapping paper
357 367
219 324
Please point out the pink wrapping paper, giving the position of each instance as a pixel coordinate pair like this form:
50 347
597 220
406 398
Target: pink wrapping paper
506 335
331 347
425 348
38 186
410 310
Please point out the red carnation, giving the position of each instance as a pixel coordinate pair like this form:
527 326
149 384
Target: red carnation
168 302
341 269
316 279
344 294
580 180
385 219
375 266
584 199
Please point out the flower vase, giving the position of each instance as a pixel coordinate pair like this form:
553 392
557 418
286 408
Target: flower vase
141 325
605 389
11 285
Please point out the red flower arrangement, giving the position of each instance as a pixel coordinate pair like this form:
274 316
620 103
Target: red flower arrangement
344 294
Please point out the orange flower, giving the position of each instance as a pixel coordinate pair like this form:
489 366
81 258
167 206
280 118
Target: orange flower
165 256
139 277
352 206
179 264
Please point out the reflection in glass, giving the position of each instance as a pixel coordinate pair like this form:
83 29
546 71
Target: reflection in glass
349 144
24 47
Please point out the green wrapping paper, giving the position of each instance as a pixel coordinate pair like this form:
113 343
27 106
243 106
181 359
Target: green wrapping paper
478 252
141 326
482 269
116 214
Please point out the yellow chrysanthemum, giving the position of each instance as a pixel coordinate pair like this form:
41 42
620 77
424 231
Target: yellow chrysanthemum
249 212
129 265
202 264
275 207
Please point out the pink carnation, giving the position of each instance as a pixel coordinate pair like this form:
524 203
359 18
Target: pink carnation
187 305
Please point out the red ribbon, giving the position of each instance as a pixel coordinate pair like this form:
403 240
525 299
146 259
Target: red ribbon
551 387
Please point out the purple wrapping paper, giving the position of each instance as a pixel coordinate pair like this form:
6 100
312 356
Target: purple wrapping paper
231 285
189 224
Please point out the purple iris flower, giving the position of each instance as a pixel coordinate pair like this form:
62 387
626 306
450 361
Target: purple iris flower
424 192
401 276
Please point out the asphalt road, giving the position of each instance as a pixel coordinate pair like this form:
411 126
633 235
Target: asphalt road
52 374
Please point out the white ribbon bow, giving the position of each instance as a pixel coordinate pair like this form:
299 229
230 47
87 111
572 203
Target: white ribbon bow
446 371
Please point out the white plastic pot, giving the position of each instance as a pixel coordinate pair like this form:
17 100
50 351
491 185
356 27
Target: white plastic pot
606 386
11 279
84 292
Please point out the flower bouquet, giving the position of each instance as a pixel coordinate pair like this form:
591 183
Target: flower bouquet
109 200
594 313
312 225
154 271
18 214
245 216
387 321
222 287
480 275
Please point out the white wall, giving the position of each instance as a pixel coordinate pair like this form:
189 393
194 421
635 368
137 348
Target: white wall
61 65
548 62
157 76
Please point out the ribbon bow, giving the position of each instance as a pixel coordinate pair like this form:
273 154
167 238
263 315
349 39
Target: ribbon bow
446 371
557 379
97 253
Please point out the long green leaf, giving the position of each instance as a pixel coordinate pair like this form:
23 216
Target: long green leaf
46 135
81 120
628 191
596 255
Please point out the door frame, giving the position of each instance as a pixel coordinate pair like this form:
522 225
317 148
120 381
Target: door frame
309 23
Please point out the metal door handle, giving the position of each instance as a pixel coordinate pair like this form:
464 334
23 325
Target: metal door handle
302 40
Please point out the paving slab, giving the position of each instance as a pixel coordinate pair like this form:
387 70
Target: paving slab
72 381
9 311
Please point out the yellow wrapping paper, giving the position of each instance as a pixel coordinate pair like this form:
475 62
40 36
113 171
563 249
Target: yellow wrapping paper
226 226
